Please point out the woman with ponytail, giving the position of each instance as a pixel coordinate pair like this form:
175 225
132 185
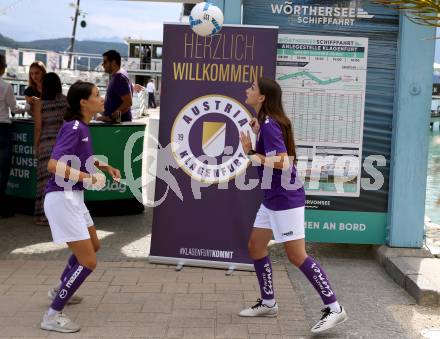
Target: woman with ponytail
281 215
73 169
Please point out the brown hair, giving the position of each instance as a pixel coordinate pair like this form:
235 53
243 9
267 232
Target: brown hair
51 86
39 65
272 106
78 91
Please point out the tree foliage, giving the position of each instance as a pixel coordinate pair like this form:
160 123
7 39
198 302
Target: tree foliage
423 12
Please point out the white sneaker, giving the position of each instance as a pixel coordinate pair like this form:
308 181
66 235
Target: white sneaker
59 323
260 310
74 299
329 320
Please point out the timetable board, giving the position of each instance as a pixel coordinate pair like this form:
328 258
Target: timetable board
323 79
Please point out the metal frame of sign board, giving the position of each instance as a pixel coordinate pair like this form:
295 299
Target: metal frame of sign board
225 25
180 262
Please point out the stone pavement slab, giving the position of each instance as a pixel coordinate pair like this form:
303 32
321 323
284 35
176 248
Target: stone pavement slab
415 270
419 276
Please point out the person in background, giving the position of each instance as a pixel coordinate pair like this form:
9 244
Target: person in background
7 103
148 58
143 57
118 99
37 70
48 116
150 90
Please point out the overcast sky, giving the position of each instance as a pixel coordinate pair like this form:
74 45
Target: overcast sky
26 20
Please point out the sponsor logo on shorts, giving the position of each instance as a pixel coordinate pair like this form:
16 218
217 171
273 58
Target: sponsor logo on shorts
288 234
86 139
63 293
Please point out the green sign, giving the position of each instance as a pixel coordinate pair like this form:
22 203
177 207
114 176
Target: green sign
111 142
23 176
345 227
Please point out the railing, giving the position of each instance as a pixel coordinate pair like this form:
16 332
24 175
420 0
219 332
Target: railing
140 64
435 114
18 61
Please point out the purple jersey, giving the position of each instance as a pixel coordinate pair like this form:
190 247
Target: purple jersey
118 87
73 139
270 142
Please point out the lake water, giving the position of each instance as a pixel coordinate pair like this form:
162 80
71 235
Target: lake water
432 209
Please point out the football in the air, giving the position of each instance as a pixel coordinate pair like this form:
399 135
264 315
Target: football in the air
206 19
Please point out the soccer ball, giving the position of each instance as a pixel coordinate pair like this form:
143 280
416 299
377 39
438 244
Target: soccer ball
206 19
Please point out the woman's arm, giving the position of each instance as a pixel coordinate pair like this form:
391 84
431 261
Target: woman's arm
10 98
94 181
63 170
32 102
11 102
28 99
279 161
113 172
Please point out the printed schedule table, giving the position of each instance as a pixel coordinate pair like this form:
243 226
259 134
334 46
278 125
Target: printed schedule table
328 117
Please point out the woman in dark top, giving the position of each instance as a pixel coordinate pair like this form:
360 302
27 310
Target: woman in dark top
48 116
37 70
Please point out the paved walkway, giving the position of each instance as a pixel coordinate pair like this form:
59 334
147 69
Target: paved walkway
138 300
128 298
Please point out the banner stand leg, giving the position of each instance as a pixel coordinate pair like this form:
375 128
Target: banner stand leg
179 266
180 262
230 270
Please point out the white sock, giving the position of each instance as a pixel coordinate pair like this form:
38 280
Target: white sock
51 312
269 303
334 307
